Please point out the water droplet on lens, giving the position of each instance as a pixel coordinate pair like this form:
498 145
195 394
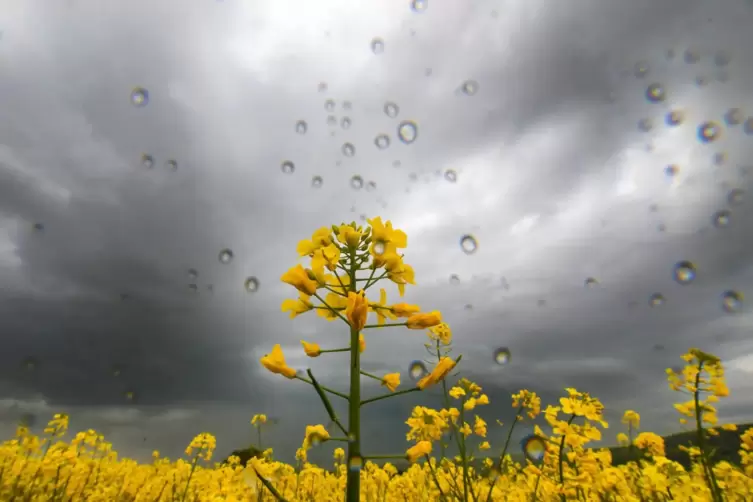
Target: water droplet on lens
735 196
331 121
377 46
534 448
322 86
371 186
147 161
721 219
454 279
193 288
226 256
502 355
329 105
382 141
419 5
38 226
356 182
656 300
251 284
684 272
675 117
732 301
172 165
301 127
407 131
379 248
345 123
709 131
450 176
691 56
748 126
720 158
129 395
348 150
641 69
193 274
734 116
140 97
316 181
391 109
30 363
722 58
468 244
469 87
655 93
355 463
287 167
417 370
589 282
671 170
645 125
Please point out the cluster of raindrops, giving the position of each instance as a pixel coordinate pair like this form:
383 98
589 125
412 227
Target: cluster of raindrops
147 161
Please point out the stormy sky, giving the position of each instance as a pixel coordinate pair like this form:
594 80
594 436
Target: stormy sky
545 130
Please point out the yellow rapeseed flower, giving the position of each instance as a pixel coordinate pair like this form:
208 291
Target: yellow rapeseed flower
357 309
419 450
423 321
391 381
311 349
275 362
297 307
299 279
443 367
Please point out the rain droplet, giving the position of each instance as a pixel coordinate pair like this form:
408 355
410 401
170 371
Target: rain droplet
301 127
147 161
345 123
590 282
371 186
348 150
684 272
193 274
721 219
382 141
691 56
355 463
732 301
671 170
645 125
379 248
722 58
30 363
502 355
454 279
733 117
193 288
468 244
171 165
709 131
407 131
641 69
322 86
720 158
391 109
656 300
675 117
129 395
356 182
329 105
417 370
534 448
139 97
251 284
450 175
748 126
419 5
735 196
38 226
331 121
377 46
226 256
347 105
316 181
655 93
287 167
469 87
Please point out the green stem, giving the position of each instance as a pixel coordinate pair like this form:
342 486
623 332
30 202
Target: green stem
269 486
258 436
353 483
386 325
346 349
325 400
371 376
190 475
705 460
385 396
504 451
464 456
560 459
332 309
325 389
436 480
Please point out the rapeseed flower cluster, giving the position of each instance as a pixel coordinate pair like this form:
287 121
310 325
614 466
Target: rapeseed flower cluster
559 465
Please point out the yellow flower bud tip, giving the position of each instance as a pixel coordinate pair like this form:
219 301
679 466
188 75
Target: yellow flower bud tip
311 349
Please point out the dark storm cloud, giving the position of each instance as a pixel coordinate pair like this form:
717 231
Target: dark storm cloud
553 179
